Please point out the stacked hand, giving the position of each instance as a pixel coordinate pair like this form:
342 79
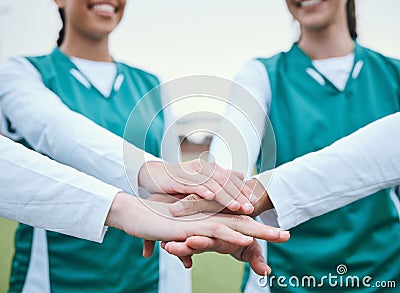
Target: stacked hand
206 221
206 180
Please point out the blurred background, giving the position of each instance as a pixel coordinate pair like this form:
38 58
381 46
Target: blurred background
176 38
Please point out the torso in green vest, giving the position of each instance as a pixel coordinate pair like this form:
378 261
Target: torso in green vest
307 116
117 264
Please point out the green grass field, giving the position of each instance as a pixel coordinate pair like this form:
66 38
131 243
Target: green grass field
7 229
212 273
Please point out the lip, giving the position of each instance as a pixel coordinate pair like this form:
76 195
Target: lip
104 8
310 5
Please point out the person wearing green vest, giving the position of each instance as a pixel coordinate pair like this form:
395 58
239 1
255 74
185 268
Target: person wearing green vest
89 81
324 88
82 73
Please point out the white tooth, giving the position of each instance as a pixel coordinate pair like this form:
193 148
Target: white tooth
309 3
107 8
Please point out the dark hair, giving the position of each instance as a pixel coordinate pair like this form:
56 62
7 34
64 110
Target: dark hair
62 31
351 18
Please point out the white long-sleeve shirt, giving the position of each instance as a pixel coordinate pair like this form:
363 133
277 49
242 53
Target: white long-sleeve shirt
69 138
51 128
310 186
353 167
35 189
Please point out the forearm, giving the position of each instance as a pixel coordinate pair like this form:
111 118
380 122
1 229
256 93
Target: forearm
42 193
350 169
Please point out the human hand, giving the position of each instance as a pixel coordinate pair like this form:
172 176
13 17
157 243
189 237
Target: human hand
151 220
198 244
207 180
193 204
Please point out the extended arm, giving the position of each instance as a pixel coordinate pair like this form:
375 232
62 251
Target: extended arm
353 167
68 137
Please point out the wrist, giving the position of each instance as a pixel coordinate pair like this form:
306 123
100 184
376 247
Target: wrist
262 202
146 174
118 215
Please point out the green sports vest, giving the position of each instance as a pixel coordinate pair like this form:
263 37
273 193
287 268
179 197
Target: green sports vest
307 116
117 264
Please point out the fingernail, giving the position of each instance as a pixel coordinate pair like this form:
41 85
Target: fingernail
284 233
247 238
248 207
276 231
234 205
177 208
209 194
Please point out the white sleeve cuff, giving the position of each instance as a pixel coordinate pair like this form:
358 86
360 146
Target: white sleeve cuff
284 214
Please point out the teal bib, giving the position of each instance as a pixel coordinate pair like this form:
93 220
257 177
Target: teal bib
307 116
116 265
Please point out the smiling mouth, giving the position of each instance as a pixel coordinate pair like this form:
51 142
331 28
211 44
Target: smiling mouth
307 3
103 8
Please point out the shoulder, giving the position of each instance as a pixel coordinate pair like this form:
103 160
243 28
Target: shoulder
41 58
45 64
379 59
139 73
17 67
263 65
272 59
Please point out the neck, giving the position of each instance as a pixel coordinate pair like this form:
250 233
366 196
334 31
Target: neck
86 48
332 41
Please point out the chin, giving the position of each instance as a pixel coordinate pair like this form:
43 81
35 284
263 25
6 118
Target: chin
314 22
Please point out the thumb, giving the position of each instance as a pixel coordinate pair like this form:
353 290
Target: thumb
253 255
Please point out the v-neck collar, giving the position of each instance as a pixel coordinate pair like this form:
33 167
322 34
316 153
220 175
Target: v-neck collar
304 61
117 82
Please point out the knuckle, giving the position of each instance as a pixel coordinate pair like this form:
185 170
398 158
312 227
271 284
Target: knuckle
215 227
220 178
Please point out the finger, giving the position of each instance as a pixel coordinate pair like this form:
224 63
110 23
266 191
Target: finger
238 174
176 248
213 188
237 179
187 261
223 232
194 204
202 244
214 178
190 186
250 227
163 198
218 183
222 183
229 193
186 179
253 255
148 248
232 187
179 249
